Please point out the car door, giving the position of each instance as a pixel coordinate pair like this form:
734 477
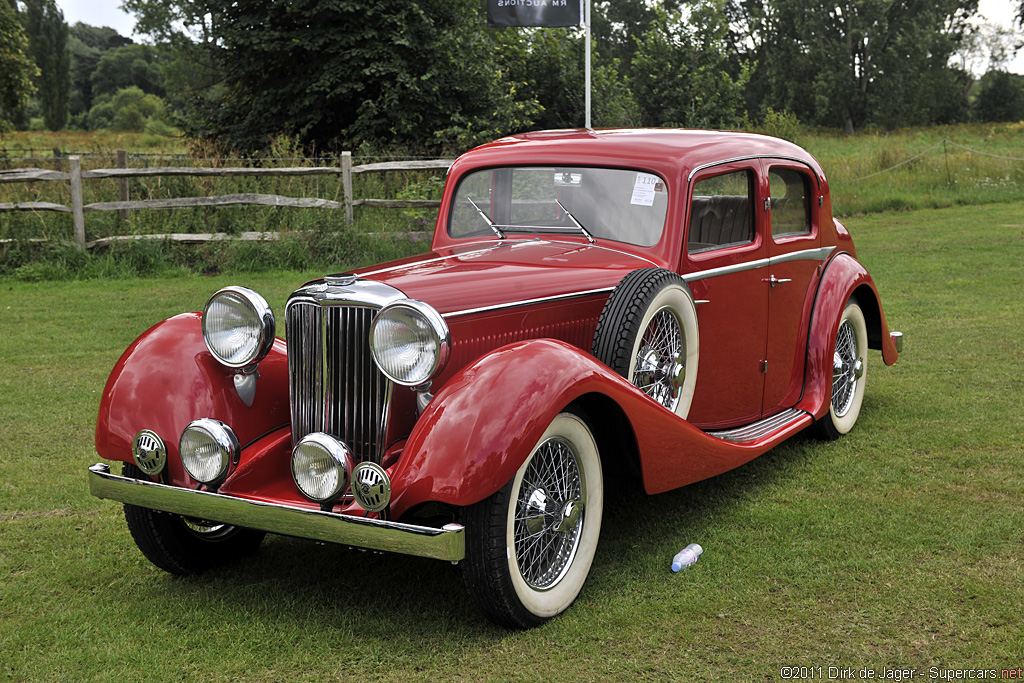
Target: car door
794 266
724 261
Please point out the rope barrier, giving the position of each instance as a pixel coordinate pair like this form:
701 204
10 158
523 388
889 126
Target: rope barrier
941 143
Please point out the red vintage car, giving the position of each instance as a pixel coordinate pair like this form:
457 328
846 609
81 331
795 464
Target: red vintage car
666 303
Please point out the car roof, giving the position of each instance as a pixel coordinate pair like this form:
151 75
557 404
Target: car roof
663 150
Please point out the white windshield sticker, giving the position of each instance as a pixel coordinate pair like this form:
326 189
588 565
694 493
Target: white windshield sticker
644 189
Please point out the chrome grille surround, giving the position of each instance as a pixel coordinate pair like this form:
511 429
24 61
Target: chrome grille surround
334 385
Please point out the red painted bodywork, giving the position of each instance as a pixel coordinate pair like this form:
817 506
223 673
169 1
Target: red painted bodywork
513 368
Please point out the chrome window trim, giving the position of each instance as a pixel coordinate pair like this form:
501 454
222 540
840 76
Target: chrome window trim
750 157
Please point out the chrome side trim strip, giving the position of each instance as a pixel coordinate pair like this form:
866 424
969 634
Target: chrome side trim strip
447 543
755 431
820 254
527 302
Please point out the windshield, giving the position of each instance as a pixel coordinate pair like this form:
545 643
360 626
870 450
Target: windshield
615 204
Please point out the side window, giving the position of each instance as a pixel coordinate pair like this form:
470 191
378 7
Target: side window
791 204
720 214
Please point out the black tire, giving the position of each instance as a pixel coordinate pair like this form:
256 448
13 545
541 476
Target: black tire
182 546
648 334
529 547
849 374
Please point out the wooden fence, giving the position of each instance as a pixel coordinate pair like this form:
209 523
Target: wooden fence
123 174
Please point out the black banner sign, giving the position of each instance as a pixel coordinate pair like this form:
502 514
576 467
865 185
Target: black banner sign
546 13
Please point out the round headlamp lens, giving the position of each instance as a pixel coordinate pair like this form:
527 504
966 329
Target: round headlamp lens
410 342
321 467
238 326
208 448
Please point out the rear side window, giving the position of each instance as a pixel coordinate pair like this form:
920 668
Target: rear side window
791 203
720 214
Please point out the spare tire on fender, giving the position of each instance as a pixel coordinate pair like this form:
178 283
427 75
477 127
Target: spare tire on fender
648 334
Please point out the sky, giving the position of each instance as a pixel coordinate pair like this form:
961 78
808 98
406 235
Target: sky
108 13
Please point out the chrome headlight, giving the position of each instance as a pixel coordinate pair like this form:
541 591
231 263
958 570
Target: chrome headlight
238 327
208 449
321 467
410 342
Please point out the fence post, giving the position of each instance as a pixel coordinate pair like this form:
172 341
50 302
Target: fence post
346 181
122 188
77 212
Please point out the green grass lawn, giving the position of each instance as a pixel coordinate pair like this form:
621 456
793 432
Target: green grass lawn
900 545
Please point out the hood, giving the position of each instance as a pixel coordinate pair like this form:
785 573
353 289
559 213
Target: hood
486 275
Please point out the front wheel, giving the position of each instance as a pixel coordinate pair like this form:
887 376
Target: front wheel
529 546
849 374
185 546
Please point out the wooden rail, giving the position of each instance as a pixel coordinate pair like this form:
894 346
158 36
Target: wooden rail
78 209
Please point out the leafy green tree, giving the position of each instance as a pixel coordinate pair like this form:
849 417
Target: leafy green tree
48 47
387 72
121 67
1000 97
852 62
17 70
128 109
680 74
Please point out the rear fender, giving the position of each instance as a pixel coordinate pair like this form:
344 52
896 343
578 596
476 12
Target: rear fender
483 424
168 377
844 277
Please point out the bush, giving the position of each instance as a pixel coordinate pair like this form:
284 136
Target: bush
129 109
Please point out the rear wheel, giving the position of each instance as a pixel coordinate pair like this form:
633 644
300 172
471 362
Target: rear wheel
184 546
529 547
849 374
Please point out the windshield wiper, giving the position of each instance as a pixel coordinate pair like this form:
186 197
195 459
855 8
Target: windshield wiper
490 223
578 224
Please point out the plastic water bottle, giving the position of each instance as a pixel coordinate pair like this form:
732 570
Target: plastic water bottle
686 557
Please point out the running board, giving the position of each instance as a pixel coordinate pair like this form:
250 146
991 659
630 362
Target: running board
758 430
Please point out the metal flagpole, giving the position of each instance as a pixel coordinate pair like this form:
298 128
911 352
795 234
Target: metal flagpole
586 36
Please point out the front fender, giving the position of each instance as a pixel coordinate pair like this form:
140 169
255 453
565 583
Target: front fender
483 424
844 277
167 378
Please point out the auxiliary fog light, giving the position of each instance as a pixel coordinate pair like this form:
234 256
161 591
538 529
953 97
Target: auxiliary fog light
371 486
321 467
208 450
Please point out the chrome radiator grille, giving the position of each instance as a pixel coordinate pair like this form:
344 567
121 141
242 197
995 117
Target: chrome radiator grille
334 384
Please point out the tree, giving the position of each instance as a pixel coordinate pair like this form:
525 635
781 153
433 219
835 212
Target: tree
388 72
128 109
137 65
88 44
48 47
17 70
1000 97
680 72
851 62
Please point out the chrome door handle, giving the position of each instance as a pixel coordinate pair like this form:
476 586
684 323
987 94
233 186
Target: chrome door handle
774 280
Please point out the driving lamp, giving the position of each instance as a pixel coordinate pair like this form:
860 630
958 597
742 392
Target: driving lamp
321 467
208 449
238 327
410 342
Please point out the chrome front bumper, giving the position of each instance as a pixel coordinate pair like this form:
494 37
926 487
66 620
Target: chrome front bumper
447 543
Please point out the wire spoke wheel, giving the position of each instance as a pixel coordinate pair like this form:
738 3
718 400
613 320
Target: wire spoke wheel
552 485
849 374
657 363
648 334
529 546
